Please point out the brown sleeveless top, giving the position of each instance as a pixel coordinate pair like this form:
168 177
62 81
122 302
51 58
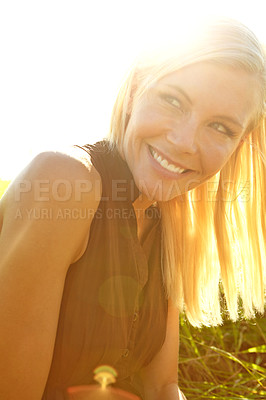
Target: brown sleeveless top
114 308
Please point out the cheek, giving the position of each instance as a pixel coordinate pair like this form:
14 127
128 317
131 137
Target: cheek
147 122
216 155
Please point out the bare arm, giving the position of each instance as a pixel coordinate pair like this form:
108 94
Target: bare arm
160 376
35 254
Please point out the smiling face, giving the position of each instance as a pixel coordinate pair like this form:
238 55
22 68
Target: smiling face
185 127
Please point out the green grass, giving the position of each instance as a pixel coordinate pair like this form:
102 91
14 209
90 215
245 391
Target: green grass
225 362
3 187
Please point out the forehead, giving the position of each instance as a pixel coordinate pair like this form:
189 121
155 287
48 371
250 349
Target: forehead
216 85
212 76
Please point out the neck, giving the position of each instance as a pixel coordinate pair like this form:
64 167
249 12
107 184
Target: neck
141 203
143 224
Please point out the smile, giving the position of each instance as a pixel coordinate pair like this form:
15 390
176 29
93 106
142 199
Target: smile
165 164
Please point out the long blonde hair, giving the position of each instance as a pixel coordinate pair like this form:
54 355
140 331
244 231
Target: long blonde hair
216 232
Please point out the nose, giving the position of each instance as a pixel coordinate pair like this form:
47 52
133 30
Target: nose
184 136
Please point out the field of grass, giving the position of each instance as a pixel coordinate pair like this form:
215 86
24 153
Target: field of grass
226 362
3 187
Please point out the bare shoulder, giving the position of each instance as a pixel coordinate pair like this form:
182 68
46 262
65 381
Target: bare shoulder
65 168
41 234
49 197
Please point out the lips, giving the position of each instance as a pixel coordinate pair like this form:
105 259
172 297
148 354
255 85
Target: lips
167 164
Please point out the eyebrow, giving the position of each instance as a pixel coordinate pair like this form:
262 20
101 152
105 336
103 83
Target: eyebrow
219 117
230 120
178 89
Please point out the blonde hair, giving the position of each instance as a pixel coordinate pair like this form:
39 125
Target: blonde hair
216 232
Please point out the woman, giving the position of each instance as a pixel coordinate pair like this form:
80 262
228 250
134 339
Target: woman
101 248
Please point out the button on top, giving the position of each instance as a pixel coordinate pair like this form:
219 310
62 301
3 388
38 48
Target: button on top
126 353
135 316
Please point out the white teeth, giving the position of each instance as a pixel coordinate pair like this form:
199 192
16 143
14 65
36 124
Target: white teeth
164 163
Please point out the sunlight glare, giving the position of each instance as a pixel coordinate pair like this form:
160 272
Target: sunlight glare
64 61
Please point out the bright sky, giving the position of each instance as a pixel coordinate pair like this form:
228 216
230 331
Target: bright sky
62 63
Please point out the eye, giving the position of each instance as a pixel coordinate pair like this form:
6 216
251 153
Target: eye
222 129
174 101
